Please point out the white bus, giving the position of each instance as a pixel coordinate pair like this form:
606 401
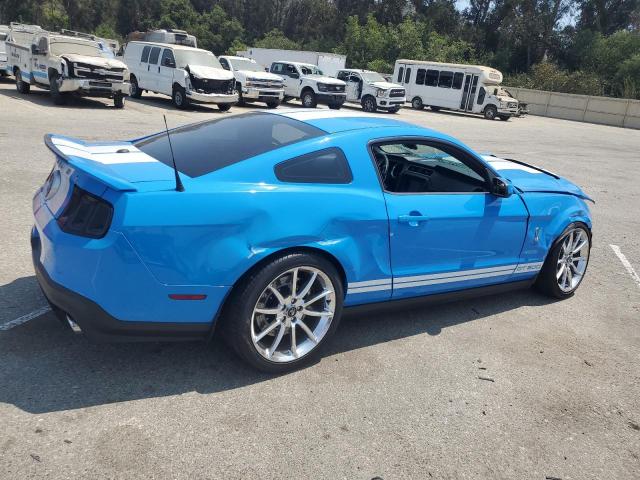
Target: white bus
451 86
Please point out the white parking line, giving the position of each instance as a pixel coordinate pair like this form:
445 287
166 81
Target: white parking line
627 265
24 319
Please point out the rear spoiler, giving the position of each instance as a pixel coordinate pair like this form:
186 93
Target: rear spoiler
93 159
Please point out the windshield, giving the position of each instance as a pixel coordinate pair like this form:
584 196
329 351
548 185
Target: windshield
310 70
202 58
503 92
372 77
245 64
87 49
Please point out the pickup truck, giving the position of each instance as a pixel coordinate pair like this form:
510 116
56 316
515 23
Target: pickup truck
372 90
65 65
310 85
252 82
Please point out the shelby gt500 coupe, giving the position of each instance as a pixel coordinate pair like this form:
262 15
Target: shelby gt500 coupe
265 225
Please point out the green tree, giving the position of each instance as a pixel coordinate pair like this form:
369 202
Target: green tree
276 39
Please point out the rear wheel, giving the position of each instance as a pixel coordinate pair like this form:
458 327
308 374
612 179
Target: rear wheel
566 263
21 85
135 88
308 99
369 104
490 112
179 97
417 104
280 317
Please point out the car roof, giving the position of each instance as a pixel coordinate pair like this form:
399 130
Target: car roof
237 57
297 63
169 45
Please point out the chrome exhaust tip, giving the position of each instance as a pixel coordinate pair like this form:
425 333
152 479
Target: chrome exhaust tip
74 326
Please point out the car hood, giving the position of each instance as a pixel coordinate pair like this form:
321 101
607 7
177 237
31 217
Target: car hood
94 61
385 85
324 79
260 75
209 73
528 178
506 99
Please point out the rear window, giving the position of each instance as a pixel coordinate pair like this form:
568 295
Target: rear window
205 147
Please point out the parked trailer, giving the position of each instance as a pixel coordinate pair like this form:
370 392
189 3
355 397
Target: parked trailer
451 86
329 63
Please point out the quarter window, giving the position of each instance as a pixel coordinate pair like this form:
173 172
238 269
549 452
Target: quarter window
145 54
154 55
324 166
446 79
457 80
420 76
407 75
432 78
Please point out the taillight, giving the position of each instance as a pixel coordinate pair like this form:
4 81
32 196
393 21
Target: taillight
86 215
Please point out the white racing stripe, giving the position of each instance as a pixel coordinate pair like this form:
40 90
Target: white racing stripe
626 264
24 319
105 154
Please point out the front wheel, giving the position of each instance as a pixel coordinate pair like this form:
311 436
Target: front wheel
280 317
224 107
21 85
566 263
273 104
179 97
369 104
417 104
135 88
309 99
490 112
54 88
394 110
118 100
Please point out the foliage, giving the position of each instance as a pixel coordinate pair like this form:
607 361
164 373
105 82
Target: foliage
582 46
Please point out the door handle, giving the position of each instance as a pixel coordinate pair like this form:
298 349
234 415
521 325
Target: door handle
413 219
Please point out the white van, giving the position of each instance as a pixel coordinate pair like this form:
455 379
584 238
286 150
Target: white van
451 86
372 91
186 74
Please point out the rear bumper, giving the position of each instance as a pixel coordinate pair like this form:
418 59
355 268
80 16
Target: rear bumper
98 325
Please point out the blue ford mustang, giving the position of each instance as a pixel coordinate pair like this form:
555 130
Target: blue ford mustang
271 223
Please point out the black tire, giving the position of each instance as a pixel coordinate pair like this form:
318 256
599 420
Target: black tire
369 104
547 281
224 107
136 92
434 109
308 99
118 100
417 104
59 98
504 118
335 106
21 86
274 104
286 99
394 110
241 101
236 320
490 112
179 97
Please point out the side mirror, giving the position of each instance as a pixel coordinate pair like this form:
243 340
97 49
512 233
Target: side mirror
34 49
169 63
500 187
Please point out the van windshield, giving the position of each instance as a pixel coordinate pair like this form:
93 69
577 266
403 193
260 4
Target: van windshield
87 49
245 64
202 58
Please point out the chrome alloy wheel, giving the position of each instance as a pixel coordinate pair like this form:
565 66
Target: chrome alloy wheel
573 258
293 314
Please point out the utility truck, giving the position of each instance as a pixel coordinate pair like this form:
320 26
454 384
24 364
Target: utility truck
4 33
253 84
372 90
66 64
329 63
308 83
451 86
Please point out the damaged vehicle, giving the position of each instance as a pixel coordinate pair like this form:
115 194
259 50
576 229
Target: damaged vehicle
252 82
184 73
67 65
264 237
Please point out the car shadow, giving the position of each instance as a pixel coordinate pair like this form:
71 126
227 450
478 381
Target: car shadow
42 98
46 368
165 102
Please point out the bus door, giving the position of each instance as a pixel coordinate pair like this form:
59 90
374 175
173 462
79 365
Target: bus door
403 77
469 92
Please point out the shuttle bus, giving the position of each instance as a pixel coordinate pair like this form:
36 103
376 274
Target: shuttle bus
451 86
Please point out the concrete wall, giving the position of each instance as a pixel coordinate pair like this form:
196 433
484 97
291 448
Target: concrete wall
618 112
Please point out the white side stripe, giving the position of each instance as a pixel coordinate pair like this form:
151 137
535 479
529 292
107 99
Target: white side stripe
461 273
368 283
459 278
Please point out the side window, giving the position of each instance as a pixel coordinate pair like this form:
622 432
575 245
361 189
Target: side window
427 168
168 59
276 68
342 75
400 74
432 78
481 95
154 55
457 80
446 79
324 166
145 54
407 75
224 63
290 70
43 45
420 76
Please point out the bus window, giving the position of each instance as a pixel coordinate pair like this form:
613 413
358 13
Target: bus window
481 95
420 74
457 80
407 75
446 79
432 78
400 74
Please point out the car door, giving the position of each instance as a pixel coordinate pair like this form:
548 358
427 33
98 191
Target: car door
166 70
153 69
354 87
39 67
141 72
291 80
447 231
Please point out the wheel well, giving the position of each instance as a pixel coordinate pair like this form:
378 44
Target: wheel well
307 89
52 71
368 95
176 84
15 70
